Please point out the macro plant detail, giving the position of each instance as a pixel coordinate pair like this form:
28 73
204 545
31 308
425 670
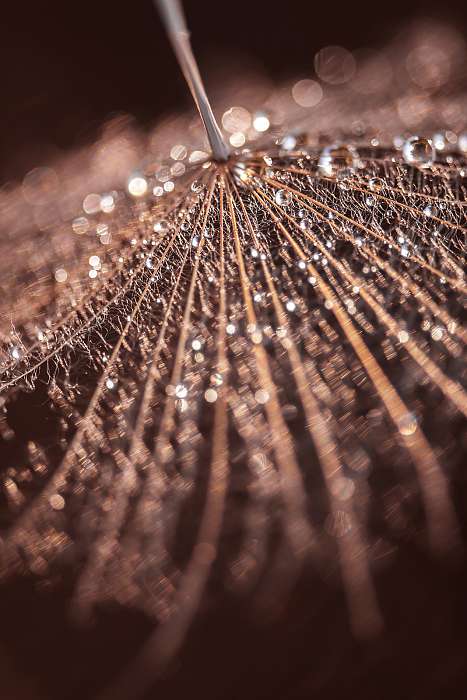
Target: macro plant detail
262 370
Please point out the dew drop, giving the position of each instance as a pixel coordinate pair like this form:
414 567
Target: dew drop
181 392
337 157
210 395
161 226
283 198
216 379
16 353
407 424
137 186
418 151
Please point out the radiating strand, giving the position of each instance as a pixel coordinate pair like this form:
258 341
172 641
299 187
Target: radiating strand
440 514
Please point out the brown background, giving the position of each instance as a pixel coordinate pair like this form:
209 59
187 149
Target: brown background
66 67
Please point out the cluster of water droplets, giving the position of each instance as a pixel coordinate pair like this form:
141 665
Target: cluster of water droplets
342 160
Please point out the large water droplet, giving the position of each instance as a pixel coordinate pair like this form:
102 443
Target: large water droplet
418 151
283 198
337 157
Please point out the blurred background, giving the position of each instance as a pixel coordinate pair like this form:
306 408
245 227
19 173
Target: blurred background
69 67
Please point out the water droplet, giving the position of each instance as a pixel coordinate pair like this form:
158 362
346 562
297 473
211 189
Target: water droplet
16 353
57 502
107 203
80 225
337 157
261 121
418 151
60 275
261 396
439 141
210 395
137 186
407 424
216 379
241 173
161 226
283 198
437 333
181 392
178 152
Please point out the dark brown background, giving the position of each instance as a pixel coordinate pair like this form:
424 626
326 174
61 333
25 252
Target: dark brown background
66 67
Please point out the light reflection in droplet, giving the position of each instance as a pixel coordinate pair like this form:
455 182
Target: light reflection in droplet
137 186
261 122
178 152
60 275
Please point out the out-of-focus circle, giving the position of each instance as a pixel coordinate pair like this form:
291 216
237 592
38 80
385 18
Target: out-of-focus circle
178 152
137 186
307 93
462 142
163 173
261 122
197 156
428 67
80 225
60 275
236 119
92 203
334 65
237 139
